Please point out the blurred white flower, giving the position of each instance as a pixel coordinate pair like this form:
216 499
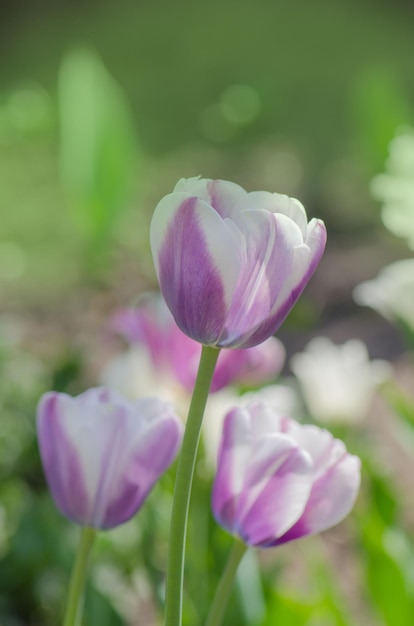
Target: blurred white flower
338 381
395 187
132 374
391 293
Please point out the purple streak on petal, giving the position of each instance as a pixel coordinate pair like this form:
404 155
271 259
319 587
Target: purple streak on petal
332 497
141 442
270 325
156 450
189 279
267 265
127 503
111 460
233 452
225 197
280 502
154 453
60 460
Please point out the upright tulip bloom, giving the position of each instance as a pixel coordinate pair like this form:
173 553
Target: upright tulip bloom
232 264
102 454
278 480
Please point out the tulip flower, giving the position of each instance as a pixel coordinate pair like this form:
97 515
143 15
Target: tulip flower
395 187
102 454
278 480
338 381
232 264
391 293
169 357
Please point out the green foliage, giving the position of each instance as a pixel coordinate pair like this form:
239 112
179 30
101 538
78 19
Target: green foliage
380 108
389 558
98 610
97 146
283 609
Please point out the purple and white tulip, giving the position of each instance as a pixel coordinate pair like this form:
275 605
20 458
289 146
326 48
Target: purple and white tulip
174 356
232 264
102 454
278 480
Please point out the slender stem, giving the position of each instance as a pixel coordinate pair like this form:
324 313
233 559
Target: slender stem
74 606
182 490
223 591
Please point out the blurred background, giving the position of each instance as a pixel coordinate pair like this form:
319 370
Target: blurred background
103 107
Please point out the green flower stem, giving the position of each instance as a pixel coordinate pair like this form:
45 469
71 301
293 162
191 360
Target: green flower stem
74 605
225 586
182 490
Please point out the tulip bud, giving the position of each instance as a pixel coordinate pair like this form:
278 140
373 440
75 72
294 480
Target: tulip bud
278 480
232 264
102 454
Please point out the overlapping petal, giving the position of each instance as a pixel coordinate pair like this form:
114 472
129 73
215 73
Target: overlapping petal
278 480
102 454
195 245
231 264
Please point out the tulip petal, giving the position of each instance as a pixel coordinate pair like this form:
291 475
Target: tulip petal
60 459
305 261
324 449
151 455
279 203
332 497
233 454
196 262
278 500
266 263
225 197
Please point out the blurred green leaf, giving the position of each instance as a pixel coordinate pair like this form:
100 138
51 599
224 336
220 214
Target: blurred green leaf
380 107
98 146
99 611
67 372
289 611
388 558
406 330
402 404
383 497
